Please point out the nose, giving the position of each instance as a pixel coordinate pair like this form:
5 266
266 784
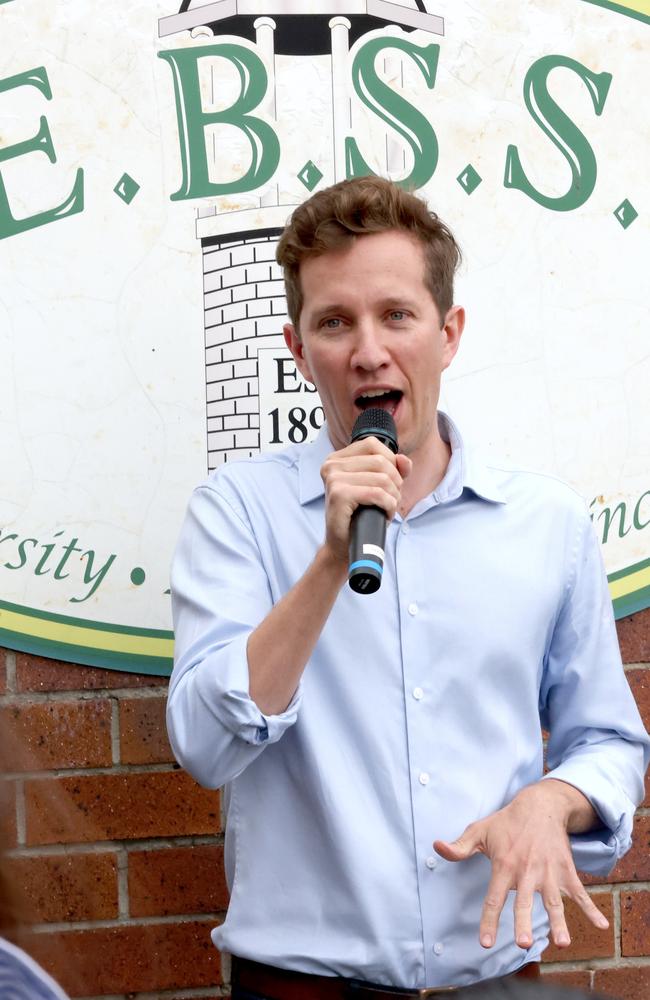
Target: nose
370 351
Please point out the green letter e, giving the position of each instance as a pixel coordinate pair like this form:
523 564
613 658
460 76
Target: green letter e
265 148
41 142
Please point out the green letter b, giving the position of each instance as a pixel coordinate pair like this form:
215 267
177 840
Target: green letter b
264 145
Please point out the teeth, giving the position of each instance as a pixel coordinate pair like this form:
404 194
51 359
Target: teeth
374 392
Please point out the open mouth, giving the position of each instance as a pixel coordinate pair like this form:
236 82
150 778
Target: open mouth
384 399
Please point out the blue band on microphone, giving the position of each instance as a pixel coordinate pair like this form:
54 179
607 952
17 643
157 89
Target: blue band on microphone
366 562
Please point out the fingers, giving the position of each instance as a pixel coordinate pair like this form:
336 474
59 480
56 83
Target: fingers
363 474
580 896
523 910
493 904
554 905
529 852
364 456
552 899
364 486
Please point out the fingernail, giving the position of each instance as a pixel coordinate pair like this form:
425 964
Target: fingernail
486 940
563 940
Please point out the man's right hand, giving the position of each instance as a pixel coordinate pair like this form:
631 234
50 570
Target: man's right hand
365 473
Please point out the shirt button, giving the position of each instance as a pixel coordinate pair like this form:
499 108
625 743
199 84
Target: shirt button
431 863
438 948
418 694
413 608
424 778
405 529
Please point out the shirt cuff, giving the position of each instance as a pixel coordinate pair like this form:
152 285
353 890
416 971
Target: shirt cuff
597 851
225 692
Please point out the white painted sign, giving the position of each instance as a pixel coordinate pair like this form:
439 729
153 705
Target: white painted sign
149 156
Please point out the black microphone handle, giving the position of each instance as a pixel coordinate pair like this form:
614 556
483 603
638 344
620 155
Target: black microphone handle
368 524
367 540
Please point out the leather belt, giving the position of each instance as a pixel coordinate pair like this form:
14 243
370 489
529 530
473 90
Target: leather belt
285 984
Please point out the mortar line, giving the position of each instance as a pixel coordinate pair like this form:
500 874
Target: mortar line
94 772
40 697
617 923
115 731
10 667
123 885
110 846
21 825
94 925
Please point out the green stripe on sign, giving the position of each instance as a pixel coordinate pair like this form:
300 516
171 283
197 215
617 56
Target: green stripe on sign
49 616
85 656
638 9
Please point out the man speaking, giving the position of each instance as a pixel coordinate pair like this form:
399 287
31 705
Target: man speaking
389 829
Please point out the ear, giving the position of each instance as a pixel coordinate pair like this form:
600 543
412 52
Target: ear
294 342
451 333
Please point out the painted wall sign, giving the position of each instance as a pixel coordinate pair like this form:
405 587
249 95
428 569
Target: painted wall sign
149 157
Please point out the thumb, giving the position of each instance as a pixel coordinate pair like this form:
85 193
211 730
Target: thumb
404 465
457 850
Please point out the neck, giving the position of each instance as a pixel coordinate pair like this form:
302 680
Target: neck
428 471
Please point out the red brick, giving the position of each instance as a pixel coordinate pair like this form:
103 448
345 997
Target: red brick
143 732
118 807
587 941
8 834
635 865
625 984
639 681
37 673
634 637
128 959
177 880
635 923
58 734
66 887
575 980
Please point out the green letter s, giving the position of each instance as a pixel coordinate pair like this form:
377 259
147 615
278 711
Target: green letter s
564 134
265 148
41 142
394 110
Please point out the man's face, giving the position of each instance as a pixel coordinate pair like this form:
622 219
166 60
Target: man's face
371 335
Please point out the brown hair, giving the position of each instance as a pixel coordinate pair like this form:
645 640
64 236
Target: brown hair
331 218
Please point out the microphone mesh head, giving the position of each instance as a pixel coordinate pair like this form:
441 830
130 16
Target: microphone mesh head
375 422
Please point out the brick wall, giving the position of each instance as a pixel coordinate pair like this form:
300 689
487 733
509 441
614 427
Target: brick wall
119 853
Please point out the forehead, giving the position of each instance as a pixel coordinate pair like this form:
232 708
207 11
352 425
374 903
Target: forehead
371 264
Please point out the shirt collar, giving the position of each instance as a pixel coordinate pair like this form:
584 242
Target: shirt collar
464 470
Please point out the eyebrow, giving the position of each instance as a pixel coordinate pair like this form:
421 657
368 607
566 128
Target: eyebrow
336 308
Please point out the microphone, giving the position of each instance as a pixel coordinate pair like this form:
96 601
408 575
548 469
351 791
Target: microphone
368 526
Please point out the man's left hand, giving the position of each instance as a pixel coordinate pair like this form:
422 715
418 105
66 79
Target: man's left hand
528 845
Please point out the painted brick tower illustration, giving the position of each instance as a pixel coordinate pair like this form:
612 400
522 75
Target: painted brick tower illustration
246 364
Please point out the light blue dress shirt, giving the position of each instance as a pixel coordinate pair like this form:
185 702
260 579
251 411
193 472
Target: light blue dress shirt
418 712
22 979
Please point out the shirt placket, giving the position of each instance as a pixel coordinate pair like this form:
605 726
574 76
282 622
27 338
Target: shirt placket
413 595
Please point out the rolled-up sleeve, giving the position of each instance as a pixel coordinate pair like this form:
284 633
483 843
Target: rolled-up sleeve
597 740
220 593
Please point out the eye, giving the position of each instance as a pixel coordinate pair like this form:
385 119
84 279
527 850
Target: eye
331 323
397 315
